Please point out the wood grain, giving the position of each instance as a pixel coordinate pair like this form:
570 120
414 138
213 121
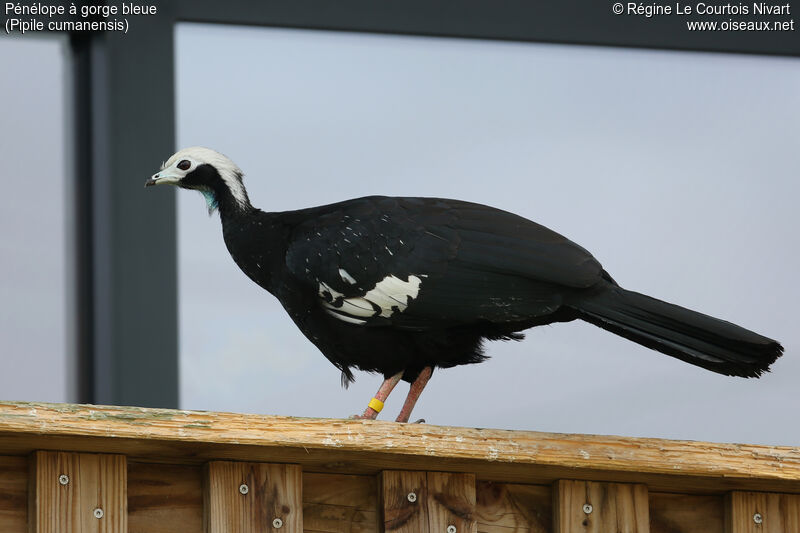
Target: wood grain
440 500
274 491
451 502
13 494
617 507
511 508
165 498
96 482
400 513
780 513
686 513
334 502
368 447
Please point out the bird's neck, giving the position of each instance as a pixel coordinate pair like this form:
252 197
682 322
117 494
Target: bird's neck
256 241
230 207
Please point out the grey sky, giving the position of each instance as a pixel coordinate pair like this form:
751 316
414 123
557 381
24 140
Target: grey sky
676 170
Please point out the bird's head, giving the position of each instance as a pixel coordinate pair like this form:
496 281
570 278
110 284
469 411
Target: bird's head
207 171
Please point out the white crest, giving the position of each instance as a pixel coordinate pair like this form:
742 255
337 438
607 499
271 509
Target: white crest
228 171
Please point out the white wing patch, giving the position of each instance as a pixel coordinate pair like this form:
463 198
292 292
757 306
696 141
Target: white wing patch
390 295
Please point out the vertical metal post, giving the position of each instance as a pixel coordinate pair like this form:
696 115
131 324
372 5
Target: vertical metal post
125 126
81 173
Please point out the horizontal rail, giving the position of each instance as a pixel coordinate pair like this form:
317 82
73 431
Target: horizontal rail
358 446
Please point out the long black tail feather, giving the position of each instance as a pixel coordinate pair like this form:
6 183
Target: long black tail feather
693 337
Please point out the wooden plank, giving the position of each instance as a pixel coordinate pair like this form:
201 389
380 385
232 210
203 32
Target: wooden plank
165 498
511 508
334 502
405 502
686 513
77 493
422 502
368 447
13 494
451 502
251 497
593 507
760 512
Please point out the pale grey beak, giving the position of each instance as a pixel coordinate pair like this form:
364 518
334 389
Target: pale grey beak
162 178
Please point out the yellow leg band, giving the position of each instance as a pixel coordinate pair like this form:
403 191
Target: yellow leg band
376 405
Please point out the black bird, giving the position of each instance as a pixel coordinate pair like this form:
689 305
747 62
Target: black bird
401 286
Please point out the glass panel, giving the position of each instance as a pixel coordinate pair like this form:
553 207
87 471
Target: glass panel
677 170
34 226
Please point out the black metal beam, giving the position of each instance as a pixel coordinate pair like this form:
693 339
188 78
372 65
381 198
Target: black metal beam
83 321
562 21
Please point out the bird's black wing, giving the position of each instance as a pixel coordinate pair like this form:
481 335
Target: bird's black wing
423 263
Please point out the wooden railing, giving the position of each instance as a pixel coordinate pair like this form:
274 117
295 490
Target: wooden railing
79 468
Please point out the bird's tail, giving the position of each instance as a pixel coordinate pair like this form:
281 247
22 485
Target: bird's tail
693 337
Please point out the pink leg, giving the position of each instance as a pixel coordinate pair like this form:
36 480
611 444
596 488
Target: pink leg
413 394
383 393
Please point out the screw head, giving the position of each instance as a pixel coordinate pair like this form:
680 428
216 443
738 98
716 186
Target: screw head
277 523
63 479
412 497
451 529
757 518
587 508
243 488
98 513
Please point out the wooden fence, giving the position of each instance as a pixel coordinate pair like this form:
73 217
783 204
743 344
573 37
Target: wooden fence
82 468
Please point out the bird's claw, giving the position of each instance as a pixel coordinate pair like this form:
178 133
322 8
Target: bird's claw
364 416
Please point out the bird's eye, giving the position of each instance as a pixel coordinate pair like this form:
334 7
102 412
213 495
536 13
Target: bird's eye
184 165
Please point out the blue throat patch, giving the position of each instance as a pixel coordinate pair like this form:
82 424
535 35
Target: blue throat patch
211 201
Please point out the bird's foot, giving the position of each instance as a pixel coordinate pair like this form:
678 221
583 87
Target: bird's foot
368 414
417 421
376 403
